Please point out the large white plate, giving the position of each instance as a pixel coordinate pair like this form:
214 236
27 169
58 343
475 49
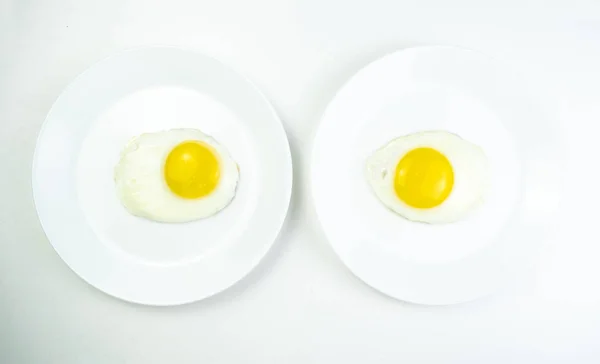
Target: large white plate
420 89
136 259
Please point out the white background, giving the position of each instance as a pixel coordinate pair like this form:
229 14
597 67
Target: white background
301 305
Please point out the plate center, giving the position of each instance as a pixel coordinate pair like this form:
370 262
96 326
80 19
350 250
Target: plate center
423 107
150 110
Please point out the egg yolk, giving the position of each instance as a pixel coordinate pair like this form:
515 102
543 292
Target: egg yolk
424 178
192 170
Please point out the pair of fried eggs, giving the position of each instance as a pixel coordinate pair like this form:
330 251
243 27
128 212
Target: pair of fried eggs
182 175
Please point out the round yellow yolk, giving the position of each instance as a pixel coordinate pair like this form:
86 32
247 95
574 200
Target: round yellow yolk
192 170
424 178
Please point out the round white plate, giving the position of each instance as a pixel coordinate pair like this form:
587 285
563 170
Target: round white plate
420 89
132 258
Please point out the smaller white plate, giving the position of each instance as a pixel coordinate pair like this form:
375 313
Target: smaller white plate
135 259
421 89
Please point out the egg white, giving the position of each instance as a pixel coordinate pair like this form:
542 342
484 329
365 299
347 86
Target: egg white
469 164
141 186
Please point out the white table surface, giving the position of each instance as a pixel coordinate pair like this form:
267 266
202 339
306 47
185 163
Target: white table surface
301 305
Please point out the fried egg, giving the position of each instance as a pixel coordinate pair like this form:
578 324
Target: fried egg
177 175
433 177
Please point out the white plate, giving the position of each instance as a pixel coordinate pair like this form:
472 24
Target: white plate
135 259
419 89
